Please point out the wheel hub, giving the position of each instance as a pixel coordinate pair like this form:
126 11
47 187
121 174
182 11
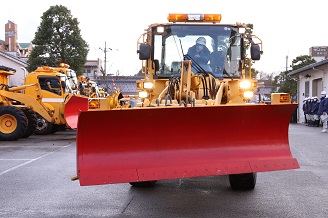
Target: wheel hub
8 123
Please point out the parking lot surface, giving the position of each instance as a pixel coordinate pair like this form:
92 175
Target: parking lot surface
35 178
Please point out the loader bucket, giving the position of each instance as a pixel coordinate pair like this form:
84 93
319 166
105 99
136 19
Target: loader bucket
135 145
73 107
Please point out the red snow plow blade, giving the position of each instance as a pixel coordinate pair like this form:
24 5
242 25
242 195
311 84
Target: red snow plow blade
72 109
134 145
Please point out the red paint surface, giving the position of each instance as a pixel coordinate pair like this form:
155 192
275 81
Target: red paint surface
120 146
72 109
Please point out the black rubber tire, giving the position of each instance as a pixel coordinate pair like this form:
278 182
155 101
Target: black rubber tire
31 122
244 181
43 127
143 184
54 129
58 128
17 120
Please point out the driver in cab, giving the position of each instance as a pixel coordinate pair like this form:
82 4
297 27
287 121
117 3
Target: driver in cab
199 52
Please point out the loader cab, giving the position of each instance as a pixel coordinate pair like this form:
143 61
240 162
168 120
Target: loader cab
55 84
4 73
72 79
167 47
171 47
51 84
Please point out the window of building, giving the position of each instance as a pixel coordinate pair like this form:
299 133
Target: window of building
307 88
316 87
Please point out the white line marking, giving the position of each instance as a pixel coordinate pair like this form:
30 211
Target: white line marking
15 159
31 160
30 146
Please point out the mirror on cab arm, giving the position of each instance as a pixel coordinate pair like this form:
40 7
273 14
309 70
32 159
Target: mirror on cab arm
144 52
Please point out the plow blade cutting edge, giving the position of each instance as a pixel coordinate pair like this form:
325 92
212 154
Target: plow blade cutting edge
134 145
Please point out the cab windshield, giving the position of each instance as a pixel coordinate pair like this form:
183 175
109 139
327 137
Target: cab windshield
220 45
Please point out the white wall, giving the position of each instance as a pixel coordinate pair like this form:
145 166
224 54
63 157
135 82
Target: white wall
18 78
315 74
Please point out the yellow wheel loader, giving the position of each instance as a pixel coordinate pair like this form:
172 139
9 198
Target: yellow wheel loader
15 122
83 86
194 117
41 106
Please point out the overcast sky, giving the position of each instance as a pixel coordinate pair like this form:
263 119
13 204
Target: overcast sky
286 28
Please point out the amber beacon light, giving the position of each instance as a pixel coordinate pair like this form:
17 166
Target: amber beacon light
194 18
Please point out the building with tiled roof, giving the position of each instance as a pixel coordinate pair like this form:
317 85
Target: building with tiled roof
16 63
92 69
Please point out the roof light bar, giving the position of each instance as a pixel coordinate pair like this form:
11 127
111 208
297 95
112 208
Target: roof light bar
194 18
63 65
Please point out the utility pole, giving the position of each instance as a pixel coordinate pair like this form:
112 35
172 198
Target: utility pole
105 50
286 62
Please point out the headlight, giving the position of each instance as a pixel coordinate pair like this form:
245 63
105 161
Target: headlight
139 85
160 29
143 94
245 84
148 85
248 94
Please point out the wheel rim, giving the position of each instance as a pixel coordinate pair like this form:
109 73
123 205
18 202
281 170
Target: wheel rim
8 123
41 124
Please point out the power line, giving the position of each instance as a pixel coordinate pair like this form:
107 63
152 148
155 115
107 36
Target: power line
105 50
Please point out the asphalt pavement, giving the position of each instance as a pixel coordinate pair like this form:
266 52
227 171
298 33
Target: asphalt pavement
35 182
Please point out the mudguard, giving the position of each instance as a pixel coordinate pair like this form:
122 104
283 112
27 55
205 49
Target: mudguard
133 145
73 106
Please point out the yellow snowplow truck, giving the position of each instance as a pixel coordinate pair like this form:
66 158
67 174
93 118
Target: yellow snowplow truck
194 118
83 86
42 105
